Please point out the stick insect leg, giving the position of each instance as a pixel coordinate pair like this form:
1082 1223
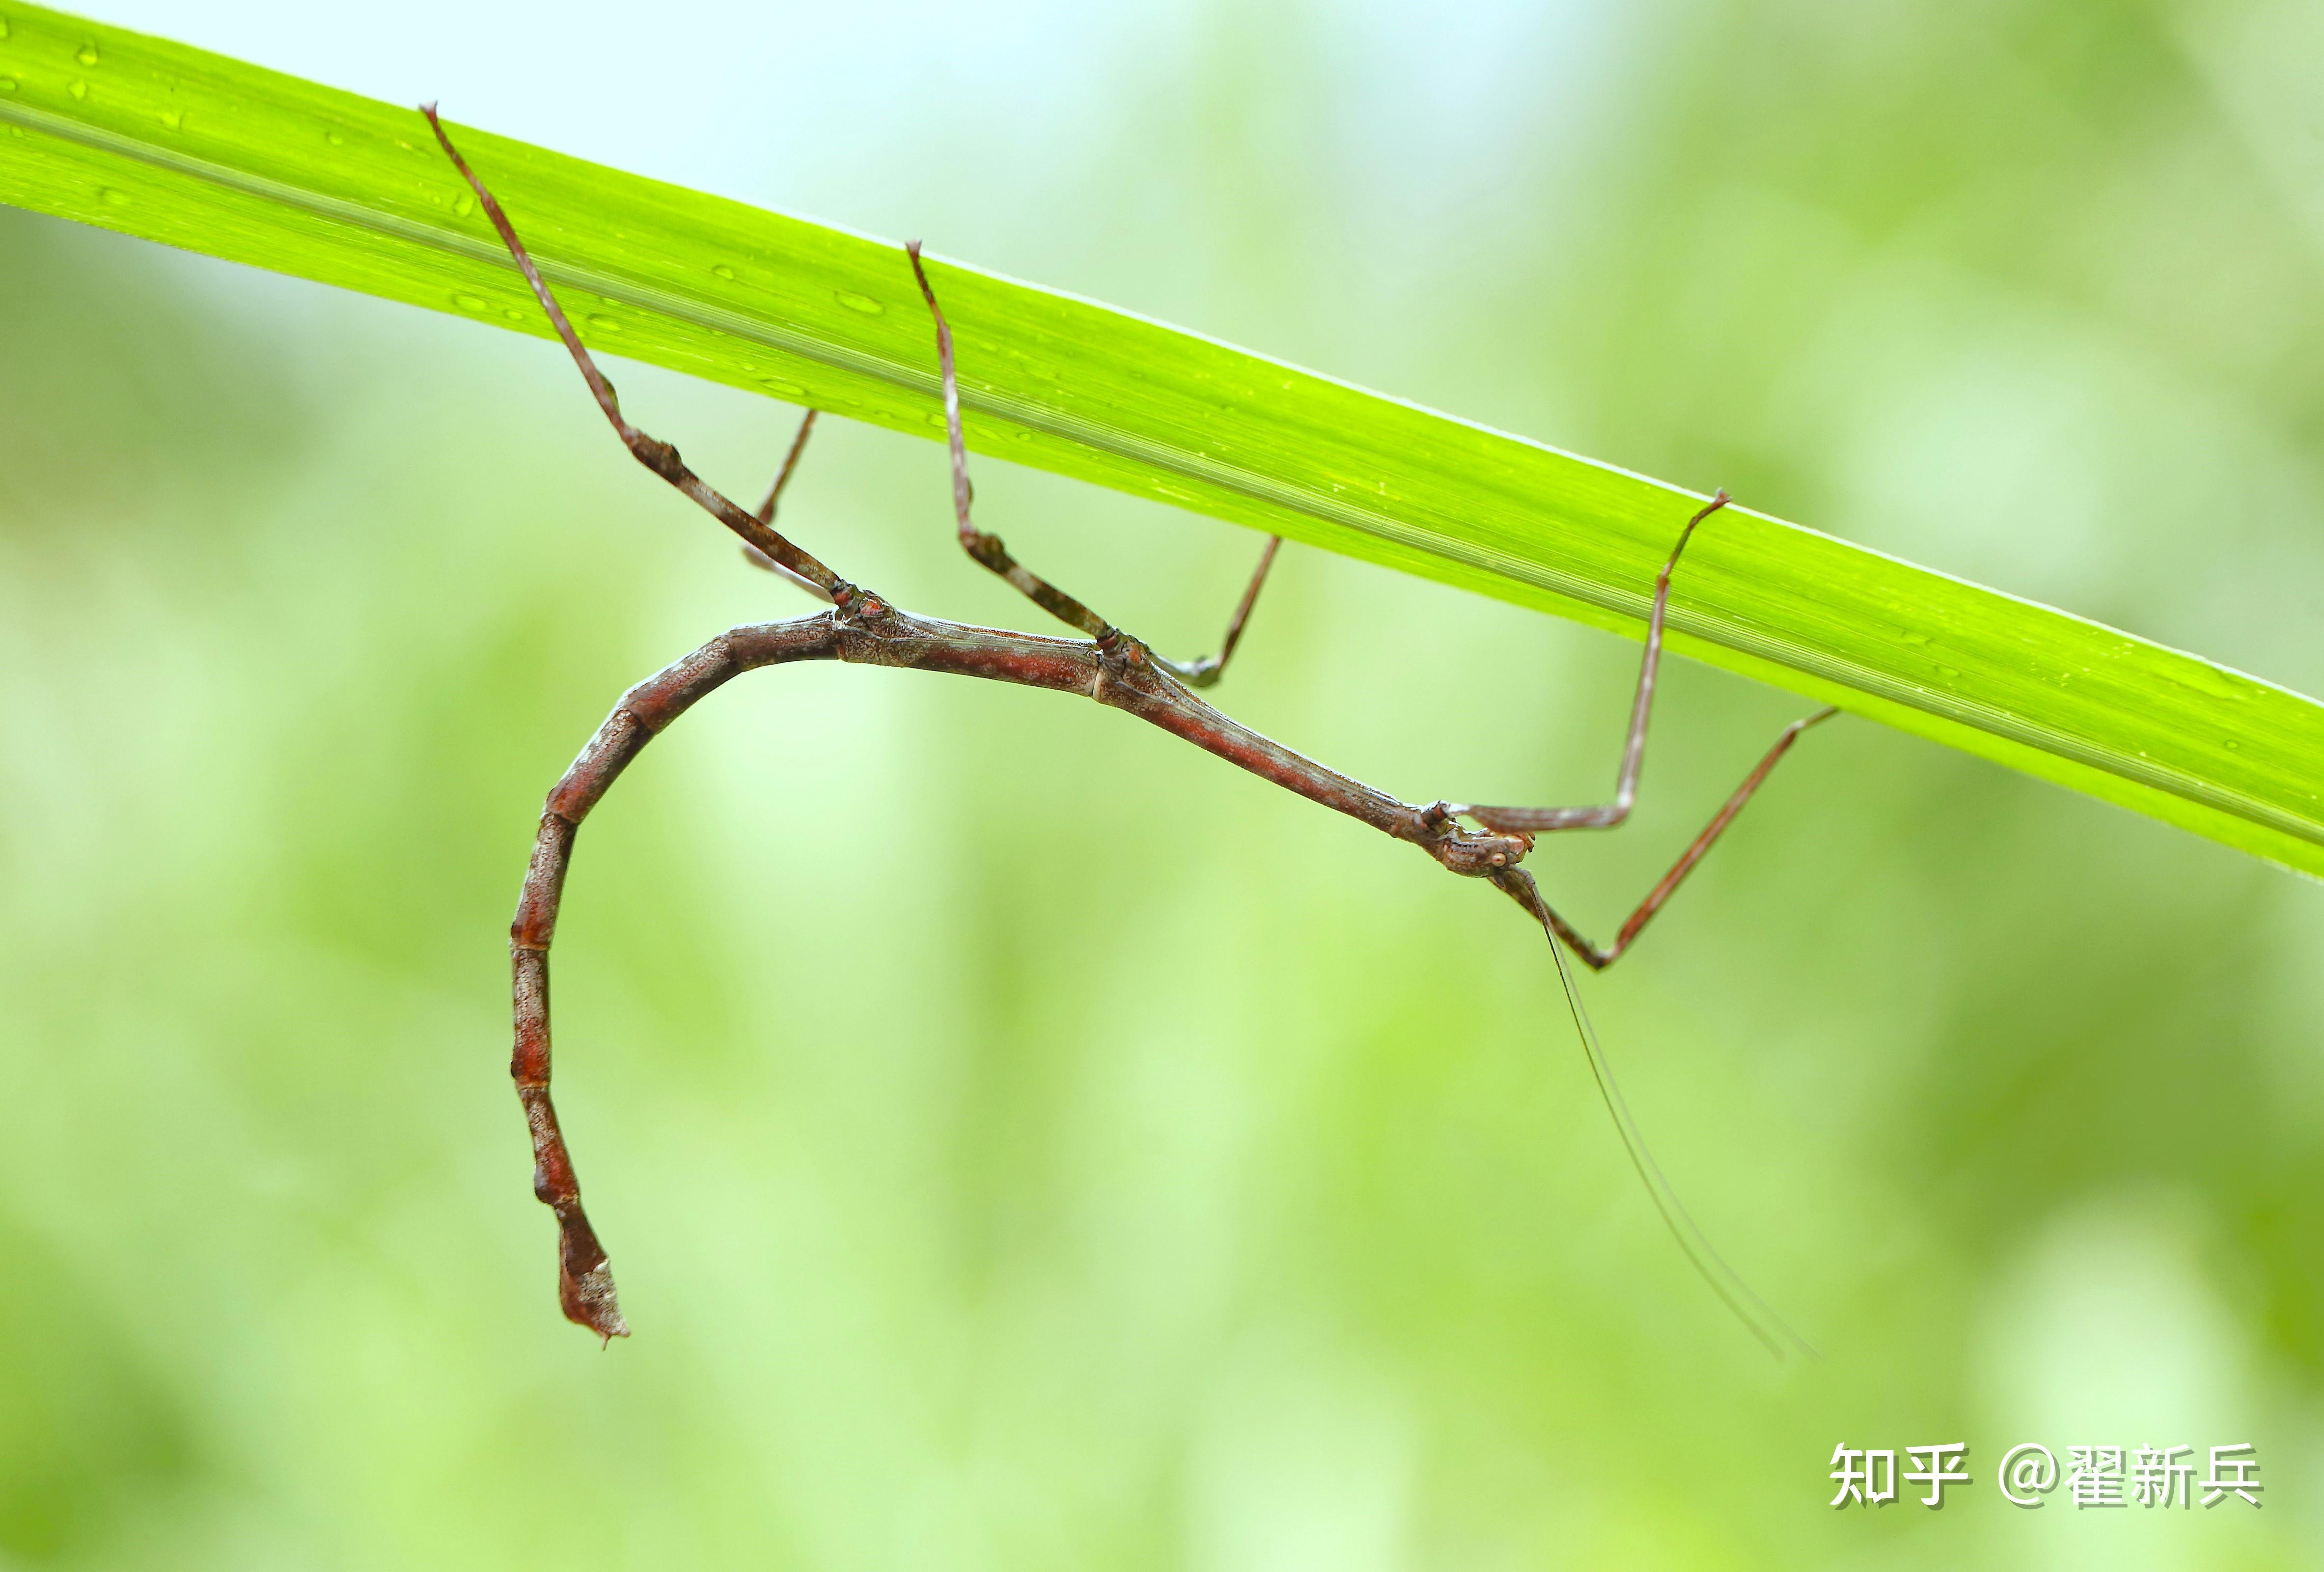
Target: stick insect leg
1207 672
656 454
766 513
1520 887
584 1281
983 548
1607 814
988 549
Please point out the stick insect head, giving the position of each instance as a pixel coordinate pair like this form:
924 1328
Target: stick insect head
1480 856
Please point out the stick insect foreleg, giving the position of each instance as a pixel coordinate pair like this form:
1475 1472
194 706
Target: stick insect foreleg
1519 886
1530 821
1607 814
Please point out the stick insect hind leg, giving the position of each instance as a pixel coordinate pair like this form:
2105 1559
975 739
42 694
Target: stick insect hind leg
661 457
989 551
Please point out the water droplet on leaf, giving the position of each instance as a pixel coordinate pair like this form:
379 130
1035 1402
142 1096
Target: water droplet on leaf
173 119
605 324
335 139
855 302
723 271
88 55
470 302
112 198
79 89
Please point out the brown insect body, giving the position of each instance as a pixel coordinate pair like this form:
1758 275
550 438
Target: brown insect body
1111 667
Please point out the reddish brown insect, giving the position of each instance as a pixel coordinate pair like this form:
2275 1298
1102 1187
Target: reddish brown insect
1109 666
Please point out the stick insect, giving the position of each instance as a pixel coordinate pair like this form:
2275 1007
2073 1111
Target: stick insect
1109 666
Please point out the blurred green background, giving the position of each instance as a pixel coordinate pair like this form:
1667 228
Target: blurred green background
1024 1142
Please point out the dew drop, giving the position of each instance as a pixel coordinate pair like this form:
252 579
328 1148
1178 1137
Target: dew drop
1949 672
778 386
112 198
4 27
512 314
855 302
463 204
935 421
605 324
335 139
88 55
79 89
470 302
723 271
1916 638
173 119
7 84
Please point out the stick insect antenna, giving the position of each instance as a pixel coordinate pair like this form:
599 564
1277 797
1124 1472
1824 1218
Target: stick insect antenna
1770 1329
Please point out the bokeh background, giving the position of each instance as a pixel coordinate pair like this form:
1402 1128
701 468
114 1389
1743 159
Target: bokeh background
1023 1142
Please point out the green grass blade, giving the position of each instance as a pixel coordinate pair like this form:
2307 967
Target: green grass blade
154 139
